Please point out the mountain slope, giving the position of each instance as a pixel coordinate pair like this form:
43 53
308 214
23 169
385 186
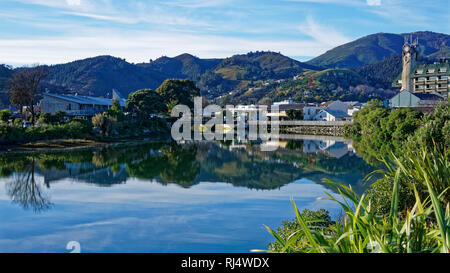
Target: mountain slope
376 47
99 75
5 73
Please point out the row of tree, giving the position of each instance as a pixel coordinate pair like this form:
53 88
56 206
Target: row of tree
24 88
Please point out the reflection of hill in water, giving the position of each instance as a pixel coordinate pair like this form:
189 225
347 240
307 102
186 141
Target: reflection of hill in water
190 164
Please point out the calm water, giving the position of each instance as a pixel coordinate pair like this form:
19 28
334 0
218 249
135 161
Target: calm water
166 197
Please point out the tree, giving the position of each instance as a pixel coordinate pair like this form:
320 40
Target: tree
115 105
5 115
176 91
24 86
294 114
145 102
105 123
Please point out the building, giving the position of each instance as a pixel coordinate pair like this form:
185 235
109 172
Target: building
76 105
353 107
416 100
424 78
283 107
331 115
331 111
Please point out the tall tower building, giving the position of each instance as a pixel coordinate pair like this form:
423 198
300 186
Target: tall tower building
409 58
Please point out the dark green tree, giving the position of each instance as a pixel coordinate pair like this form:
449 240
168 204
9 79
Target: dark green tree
5 115
294 114
176 91
145 102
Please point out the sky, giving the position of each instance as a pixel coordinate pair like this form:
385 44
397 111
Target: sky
59 31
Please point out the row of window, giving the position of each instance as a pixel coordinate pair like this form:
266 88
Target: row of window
433 78
421 87
432 70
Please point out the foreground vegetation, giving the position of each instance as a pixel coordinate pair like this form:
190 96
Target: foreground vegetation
422 226
405 210
376 130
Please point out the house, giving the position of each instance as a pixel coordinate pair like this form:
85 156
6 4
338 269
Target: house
331 115
309 112
335 105
76 105
331 111
353 107
417 100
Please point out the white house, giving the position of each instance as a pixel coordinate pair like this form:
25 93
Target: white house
331 115
328 111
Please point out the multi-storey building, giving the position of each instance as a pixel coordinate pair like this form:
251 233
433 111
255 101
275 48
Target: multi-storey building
432 78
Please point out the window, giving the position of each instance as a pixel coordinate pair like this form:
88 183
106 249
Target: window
433 78
421 79
443 69
419 71
430 71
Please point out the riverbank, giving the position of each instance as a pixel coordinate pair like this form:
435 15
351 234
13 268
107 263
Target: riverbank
59 145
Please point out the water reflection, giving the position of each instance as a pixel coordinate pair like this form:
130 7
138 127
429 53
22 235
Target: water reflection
24 190
167 197
234 162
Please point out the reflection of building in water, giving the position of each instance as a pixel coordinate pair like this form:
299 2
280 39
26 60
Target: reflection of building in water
87 173
331 148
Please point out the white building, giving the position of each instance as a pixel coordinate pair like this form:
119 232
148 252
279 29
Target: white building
330 111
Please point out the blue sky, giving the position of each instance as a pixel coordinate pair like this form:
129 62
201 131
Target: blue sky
57 31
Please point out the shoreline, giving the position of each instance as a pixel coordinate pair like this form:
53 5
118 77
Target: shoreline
61 145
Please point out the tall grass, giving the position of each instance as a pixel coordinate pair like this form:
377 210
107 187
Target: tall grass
424 227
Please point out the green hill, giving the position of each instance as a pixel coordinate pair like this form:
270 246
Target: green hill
99 75
376 47
372 61
313 86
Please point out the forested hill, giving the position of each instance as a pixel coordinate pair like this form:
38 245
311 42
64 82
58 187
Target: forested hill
373 61
97 76
376 47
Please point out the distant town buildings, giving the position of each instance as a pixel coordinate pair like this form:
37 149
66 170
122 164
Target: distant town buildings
76 105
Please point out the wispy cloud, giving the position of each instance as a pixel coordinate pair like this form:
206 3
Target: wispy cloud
199 3
325 36
373 2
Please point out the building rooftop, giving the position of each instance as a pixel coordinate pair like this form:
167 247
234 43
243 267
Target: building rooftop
427 96
336 113
85 99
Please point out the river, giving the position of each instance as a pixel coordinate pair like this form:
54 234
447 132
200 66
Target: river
168 197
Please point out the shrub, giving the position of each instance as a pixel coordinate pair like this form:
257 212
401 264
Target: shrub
5 115
105 123
424 227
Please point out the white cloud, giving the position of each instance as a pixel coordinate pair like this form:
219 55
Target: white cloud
373 2
140 46
73 2
323 35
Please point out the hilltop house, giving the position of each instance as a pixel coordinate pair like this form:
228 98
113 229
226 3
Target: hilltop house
76 105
